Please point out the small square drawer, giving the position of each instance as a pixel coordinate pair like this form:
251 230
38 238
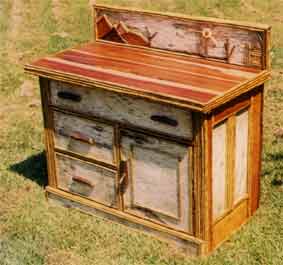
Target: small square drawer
88 138
85 179
127 110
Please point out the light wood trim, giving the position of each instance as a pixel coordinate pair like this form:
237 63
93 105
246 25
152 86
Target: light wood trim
197 181
48 130
207 214
228 211
119 214
226 111
255 141
231 23
85 158
230 158
231 222
237 91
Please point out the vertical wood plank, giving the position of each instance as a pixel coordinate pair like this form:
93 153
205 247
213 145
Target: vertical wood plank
230 158
207 182
255 140
197 174
48 131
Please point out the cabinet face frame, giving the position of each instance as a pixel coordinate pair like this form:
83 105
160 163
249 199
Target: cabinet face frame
48 110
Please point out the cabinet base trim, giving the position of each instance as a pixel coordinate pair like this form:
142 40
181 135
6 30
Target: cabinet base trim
192 246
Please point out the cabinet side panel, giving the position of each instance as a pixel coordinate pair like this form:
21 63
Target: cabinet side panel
219 169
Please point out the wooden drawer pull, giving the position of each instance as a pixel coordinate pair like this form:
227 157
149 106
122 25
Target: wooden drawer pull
165 120
69 96
123 176
83 138
83 181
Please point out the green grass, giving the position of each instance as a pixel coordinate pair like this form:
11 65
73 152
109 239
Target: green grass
35 232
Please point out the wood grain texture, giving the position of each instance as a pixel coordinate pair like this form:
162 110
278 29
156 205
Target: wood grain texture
207 165
100 137
230 223
123 109
86 179
212 40
158 185
255 150
197 83
219 166
191 245
241 156
48 129
230 158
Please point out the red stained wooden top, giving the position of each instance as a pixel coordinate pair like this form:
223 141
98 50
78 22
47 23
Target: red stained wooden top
193 80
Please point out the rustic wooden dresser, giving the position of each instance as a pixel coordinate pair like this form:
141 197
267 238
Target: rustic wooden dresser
157 123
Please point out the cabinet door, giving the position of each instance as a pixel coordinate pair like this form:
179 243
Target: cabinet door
155 180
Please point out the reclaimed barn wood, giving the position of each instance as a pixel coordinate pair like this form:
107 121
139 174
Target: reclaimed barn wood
108 105
157 124
158 181
212 40
241 150
88 138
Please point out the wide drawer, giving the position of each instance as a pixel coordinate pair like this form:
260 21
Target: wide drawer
123 108
88 138
85 179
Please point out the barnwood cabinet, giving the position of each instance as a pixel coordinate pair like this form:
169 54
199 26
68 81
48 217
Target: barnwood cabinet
157 123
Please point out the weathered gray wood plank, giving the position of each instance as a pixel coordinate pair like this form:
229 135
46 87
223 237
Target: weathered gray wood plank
158 185
99 135
124 109
205 39
219 170
241 158
88 180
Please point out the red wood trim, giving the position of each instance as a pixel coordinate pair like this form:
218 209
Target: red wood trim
159 61
172 74
202 97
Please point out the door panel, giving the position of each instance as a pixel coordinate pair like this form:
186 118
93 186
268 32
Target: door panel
157 186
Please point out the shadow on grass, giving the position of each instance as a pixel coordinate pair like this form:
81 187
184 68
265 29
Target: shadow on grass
33 168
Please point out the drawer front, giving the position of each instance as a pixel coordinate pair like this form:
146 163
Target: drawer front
87 180
122 108
85 137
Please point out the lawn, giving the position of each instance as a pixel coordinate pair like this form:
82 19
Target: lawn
35 232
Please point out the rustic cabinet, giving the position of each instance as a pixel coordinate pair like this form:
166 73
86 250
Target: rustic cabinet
157 124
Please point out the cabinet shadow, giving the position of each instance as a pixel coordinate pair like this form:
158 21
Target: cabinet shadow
33 168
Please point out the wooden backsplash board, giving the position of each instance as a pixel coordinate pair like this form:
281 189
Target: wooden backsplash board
245 44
